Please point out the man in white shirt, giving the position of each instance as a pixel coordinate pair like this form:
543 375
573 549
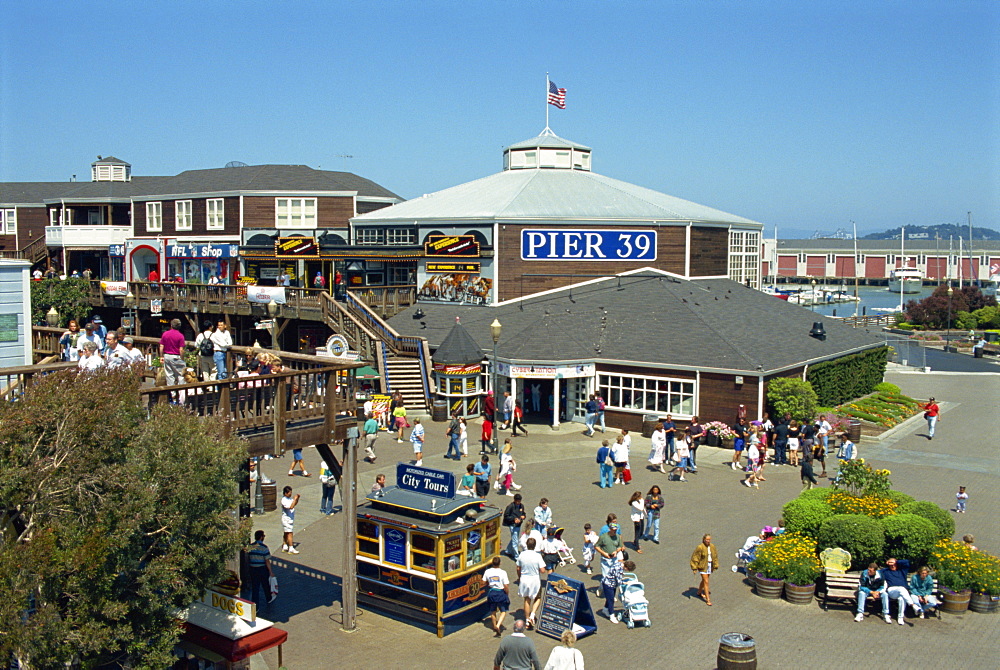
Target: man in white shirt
530 568
497 594
824 432
90 335
115 354
134 355
223 340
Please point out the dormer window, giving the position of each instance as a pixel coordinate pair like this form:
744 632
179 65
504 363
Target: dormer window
110 169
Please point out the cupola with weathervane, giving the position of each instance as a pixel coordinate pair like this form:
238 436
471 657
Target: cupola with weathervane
547 151
110 169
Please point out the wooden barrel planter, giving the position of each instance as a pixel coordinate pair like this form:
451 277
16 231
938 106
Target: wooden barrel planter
737 651
799 595
767 588
955 602
984 604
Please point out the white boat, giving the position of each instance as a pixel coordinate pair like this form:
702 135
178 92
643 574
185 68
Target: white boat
906 280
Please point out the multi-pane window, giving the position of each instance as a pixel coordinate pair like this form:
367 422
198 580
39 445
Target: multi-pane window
182 209
154 216
60 217
400 236
368 235
649 394
400 276
216 214
295 212
8 221
744 257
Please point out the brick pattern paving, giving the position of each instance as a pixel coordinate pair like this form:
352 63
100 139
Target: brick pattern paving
685 632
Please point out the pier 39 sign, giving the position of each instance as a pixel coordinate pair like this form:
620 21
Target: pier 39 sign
588 245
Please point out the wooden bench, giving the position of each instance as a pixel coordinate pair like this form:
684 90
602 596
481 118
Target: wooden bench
841 587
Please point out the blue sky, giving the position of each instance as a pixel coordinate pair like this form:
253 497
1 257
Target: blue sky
801 115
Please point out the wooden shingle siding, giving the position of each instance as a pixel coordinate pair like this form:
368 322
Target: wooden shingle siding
670 245
709 252
258 212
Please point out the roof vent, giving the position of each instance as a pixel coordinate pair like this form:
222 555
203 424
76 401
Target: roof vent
818 331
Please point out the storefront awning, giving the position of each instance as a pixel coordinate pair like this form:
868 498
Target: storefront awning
231 650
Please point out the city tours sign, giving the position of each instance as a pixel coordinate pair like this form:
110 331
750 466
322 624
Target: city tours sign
427 481
588 245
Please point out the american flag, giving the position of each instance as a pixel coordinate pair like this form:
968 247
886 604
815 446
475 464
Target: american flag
557 96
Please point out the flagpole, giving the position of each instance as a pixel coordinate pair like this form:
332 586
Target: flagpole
546 101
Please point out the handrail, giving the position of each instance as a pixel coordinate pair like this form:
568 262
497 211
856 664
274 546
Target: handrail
400 344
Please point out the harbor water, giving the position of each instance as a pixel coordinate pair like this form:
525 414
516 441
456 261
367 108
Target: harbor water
873 301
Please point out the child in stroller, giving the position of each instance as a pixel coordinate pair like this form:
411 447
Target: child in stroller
748 551
565 552
636 607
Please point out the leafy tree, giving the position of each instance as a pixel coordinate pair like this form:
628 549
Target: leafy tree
113 517
70 297
789 395
932 311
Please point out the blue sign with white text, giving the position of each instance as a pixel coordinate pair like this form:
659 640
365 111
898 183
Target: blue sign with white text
395 546
437 483
203 250
560 244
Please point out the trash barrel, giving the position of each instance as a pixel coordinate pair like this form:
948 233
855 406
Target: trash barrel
977 352
270 491
737 651
439 410
649 422
854 431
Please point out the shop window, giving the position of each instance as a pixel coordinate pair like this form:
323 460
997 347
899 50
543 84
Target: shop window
400 236
453 553
368 529
154 216
422 552
652 394
8 221
473 547
182 214
368 548
399 276
216 208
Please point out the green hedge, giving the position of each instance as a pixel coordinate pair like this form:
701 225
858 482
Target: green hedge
942 521
817 494
901 499
847 377
909 536
886 387
805 515
861 535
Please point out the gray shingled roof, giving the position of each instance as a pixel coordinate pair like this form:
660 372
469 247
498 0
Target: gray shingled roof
296 178
458 348
649 317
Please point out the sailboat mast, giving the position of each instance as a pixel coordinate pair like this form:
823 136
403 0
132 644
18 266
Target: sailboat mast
856 300
902 263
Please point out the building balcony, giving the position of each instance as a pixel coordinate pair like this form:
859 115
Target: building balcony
86 236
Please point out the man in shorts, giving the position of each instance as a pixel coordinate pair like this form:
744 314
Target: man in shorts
739 442
530 568
288 503
497 594
417 438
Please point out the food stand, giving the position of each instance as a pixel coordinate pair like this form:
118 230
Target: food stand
222 632
422 550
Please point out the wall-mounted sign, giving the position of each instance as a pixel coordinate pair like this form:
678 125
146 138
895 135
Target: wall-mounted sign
337 346
203 250
299 247
156 307
437 483
451 245
453 267
529 371
462 591
116 250
114 287
8 328
395 546
264 294
588 245
458 370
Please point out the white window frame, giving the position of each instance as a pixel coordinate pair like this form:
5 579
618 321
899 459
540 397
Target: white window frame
215 214
368 236
8 221
285 216
154 217
183 217
650 386
399 237
60 217
744 257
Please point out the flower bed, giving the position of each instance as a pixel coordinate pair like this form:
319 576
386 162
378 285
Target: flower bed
961 567
790 557
884 409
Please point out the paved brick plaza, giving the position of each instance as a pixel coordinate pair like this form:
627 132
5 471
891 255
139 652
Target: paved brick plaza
685 632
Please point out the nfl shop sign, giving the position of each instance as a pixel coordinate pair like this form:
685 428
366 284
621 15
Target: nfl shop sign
265 294
588 245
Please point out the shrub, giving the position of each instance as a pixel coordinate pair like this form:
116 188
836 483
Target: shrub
859 534
796 397
860 479
804 515
876 507
816 494
909 536
886 387
790 557
942 521
965 567
899 498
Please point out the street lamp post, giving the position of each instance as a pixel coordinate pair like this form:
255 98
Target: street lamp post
272 310
948 336
52 317
813 300
495 328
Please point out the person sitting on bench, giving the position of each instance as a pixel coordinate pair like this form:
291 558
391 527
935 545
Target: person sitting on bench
871 585
897 585
922 590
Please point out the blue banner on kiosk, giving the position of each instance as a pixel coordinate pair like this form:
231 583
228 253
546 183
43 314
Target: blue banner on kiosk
565 607
437 483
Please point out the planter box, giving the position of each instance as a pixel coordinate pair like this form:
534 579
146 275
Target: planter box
799 595
767 588
955 602
984 604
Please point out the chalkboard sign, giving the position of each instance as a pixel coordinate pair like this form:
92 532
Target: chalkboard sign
565 604
8 328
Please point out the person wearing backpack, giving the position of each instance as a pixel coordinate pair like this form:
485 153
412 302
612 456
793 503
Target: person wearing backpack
206 352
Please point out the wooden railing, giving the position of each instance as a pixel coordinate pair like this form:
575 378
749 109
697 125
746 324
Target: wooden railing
387 301
884 320
14 380
34 252
400 345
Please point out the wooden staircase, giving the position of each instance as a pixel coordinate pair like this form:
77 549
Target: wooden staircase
405 375
34 252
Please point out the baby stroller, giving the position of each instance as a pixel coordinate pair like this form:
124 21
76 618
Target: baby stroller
747 553
565 552
636 607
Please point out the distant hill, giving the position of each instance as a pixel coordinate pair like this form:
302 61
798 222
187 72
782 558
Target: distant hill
942 230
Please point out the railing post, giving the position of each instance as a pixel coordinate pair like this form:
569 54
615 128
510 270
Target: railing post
279 400
226 408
